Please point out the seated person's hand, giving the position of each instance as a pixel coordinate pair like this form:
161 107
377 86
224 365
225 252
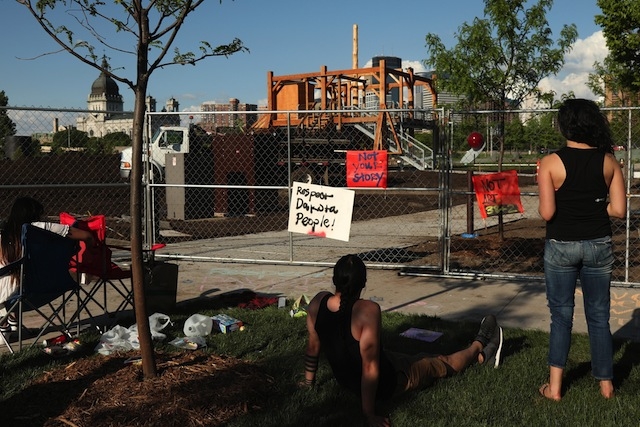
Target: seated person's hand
305 383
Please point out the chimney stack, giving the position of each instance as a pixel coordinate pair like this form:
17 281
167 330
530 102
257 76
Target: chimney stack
355 46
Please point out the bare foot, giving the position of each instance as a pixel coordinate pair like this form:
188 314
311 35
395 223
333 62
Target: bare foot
545 391
606 389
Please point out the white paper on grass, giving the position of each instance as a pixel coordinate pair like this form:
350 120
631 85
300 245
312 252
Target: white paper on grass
321 211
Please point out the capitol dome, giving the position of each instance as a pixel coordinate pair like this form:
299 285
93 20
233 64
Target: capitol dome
105 85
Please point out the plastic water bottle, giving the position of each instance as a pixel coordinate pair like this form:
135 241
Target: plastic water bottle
198 325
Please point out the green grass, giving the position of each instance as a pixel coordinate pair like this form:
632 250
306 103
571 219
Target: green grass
481 396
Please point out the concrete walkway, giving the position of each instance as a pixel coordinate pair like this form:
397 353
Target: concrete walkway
517 304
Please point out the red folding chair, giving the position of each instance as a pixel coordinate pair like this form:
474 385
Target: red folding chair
96 271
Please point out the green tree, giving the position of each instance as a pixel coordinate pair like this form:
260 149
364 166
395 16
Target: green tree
514 136
501 59
542 133
7 126
108 143
620 21
67 139
147 30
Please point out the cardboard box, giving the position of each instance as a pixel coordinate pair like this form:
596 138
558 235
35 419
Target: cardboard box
226 323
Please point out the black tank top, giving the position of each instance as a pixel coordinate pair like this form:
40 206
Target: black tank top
343 352
581 201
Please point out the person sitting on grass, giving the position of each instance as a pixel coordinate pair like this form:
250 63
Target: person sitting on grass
347 328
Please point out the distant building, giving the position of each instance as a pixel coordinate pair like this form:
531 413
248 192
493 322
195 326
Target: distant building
619 98
109 116
231 119
531 102
424 98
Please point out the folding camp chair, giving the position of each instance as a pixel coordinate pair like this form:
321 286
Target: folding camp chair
44 282
97 273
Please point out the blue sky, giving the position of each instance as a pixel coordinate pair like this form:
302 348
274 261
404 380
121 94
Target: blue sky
284 36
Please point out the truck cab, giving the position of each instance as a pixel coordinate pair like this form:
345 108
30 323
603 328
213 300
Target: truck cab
166 140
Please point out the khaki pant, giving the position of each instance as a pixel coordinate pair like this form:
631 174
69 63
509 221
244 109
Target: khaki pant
417 371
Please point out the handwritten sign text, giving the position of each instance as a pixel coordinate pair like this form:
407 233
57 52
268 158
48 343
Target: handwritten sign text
367 168
321 211
498 193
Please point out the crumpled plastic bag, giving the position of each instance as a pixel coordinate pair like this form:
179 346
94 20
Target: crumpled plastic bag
299 307
157 322
116 339
120 338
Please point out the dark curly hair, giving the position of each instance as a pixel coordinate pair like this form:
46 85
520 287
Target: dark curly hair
581 120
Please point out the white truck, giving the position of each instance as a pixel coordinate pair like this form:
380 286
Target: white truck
166 140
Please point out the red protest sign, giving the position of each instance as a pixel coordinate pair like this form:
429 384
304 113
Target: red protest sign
367 168
498 192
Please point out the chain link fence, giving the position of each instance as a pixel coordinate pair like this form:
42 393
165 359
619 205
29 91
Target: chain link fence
515 248
217 187
47 158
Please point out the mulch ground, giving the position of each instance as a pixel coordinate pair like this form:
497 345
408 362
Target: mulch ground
191 389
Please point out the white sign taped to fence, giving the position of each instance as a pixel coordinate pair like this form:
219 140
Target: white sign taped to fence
321 211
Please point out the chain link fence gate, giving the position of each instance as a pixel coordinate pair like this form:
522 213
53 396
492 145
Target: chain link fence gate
223 191
226 196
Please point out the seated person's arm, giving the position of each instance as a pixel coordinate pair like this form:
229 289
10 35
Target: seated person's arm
312 352
79 234
368 318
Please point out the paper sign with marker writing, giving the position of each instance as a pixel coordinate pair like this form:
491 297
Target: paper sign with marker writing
367 168
498 193
321 211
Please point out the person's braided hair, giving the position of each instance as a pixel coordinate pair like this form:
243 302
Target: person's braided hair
349 278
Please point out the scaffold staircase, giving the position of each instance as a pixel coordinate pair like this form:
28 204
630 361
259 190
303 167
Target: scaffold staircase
412 151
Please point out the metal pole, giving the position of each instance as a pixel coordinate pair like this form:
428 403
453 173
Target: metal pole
470 225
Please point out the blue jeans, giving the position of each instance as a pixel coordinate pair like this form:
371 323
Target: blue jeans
592 262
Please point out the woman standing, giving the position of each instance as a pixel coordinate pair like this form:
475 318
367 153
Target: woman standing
580 187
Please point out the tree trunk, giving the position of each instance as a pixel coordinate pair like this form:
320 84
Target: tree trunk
137 260
137 264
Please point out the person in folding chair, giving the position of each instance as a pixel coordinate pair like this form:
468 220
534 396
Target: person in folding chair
25 210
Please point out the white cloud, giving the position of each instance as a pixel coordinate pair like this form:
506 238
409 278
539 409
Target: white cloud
418 66
578 65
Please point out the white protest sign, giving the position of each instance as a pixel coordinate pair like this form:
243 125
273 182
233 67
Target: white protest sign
321 211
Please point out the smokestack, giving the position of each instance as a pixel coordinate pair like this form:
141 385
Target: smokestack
55 125
355 46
